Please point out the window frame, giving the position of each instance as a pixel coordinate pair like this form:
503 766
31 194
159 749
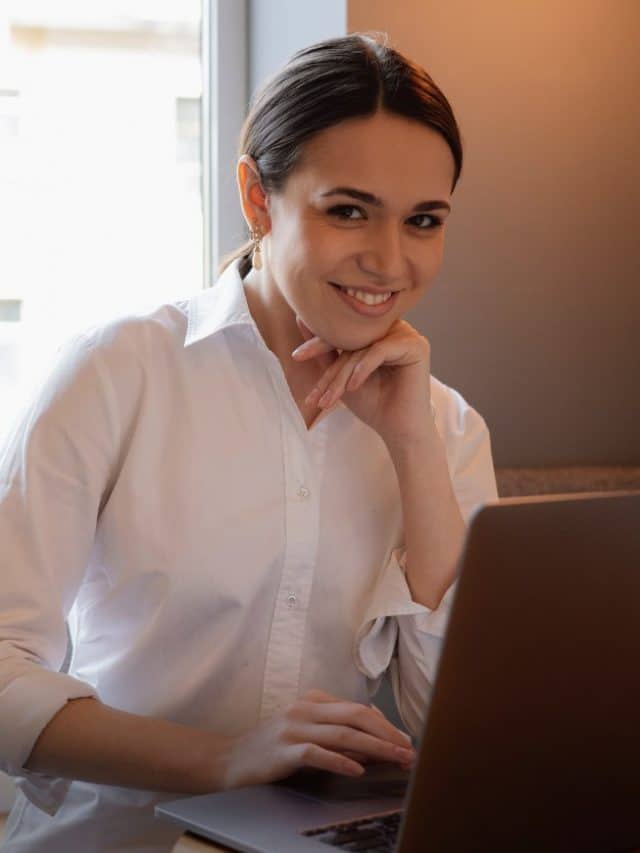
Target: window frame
225 63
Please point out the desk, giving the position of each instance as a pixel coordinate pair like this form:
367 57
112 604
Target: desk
192 844
188 843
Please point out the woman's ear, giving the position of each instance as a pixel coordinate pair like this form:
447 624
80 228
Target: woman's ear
254 200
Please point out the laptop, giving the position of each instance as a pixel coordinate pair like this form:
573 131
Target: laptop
532 737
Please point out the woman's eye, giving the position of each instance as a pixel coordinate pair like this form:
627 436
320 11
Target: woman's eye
342 211
424 221
432 221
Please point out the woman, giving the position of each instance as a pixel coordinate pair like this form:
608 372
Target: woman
249 504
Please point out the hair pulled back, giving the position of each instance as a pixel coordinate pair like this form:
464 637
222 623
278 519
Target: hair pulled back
326 83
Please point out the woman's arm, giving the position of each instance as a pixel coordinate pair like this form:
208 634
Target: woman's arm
417 585
460 465
93 742
90 741
433 525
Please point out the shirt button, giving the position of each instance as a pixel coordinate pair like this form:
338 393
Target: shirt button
303 492
291 600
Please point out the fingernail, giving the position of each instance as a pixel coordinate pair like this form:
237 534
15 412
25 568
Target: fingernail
326 398
404 753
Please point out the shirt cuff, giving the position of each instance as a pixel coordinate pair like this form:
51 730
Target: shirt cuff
27 704
376 638
45 792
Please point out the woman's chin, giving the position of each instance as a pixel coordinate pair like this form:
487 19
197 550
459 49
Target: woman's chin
353 341
341 338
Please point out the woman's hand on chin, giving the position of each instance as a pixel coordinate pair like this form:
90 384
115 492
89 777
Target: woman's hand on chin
387 384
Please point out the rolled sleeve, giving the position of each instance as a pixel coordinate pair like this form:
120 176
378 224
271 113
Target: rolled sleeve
54 471
397 632
29 701
375 640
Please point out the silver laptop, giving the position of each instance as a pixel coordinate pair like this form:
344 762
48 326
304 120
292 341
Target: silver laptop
532 739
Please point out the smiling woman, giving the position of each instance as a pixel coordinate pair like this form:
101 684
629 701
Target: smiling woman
355 121
387 243
250 503
390 143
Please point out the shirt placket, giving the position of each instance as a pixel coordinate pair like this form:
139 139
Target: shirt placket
302 455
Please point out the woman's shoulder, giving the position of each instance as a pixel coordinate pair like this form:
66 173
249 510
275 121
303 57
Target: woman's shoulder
455 416
467 441
126 353
137 330
462 428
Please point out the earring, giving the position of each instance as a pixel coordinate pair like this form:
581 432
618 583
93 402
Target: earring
256 258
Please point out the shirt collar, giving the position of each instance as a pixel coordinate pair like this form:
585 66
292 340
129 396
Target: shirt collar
217 307
225 304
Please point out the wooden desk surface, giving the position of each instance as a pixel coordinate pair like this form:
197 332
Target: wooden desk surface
189 843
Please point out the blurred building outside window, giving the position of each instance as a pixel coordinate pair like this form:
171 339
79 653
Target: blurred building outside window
100 172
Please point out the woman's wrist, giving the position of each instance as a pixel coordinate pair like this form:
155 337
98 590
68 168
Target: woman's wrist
403 449
210 767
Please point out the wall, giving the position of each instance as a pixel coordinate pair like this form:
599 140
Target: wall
277 28
535 314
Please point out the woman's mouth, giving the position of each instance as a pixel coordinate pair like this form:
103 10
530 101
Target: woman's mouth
366 304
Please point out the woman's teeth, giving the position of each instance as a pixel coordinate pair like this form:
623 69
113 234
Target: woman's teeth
367 298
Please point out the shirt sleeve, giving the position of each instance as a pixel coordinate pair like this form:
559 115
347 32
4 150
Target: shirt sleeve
396 632
55 469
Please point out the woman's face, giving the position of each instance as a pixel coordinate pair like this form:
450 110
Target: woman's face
365 207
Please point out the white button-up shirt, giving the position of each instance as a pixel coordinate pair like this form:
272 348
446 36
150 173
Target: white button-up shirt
214 558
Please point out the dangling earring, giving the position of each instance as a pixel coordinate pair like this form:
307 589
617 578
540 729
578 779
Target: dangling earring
256 258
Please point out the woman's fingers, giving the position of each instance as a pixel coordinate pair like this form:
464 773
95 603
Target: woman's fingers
333 709
312 755
346 739
361 717
341 378
338 365
357 731
360 757
328 378
347 373
313 345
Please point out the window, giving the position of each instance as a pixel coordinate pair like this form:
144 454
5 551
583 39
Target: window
100 171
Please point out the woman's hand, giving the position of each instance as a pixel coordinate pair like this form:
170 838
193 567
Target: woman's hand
387 384
318 730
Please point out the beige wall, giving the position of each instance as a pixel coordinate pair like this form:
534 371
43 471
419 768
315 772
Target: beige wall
535 315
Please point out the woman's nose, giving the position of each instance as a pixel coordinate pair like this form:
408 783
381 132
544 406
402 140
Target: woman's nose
384 255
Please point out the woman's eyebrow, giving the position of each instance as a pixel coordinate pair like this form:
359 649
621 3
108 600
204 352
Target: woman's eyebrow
369 198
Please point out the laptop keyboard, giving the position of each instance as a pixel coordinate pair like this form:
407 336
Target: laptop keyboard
376 834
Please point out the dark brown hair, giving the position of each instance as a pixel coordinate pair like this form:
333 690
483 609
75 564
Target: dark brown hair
324 84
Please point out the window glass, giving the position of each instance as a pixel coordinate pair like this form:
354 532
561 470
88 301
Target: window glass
100 171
